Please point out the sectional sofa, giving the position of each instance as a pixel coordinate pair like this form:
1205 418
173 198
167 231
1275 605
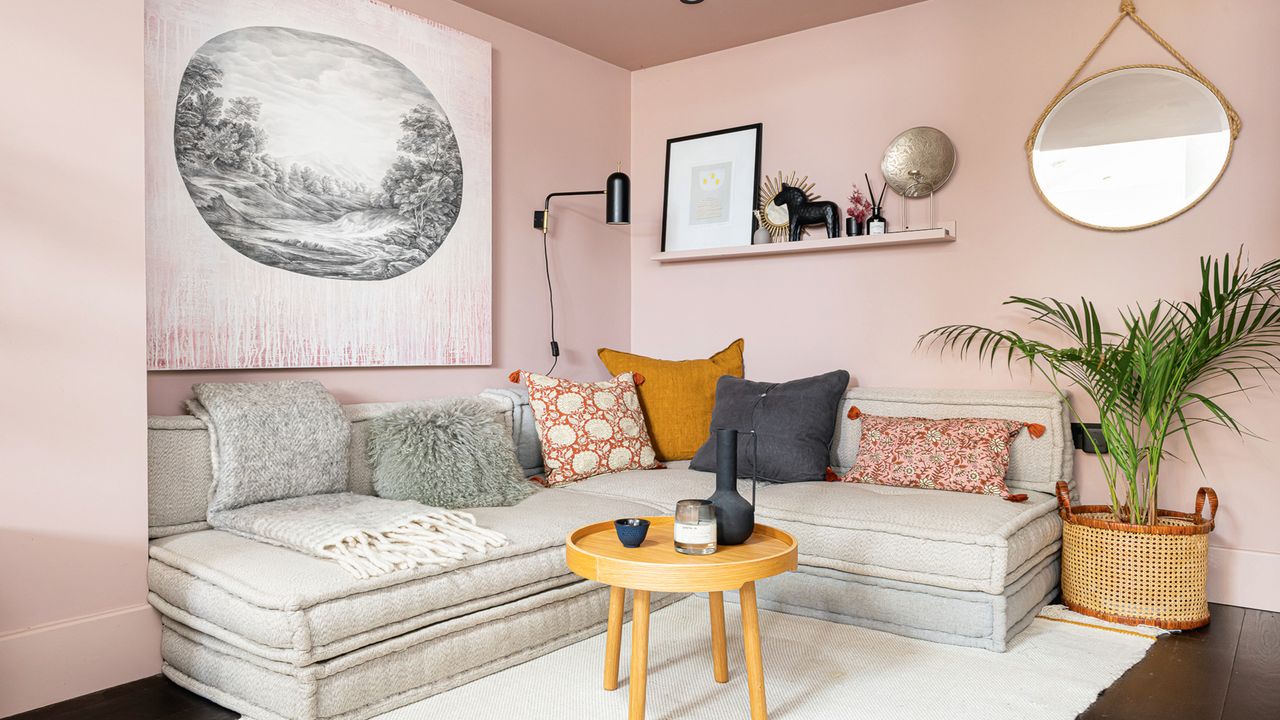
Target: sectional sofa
275 634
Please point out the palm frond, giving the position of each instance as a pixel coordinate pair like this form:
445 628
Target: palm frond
1146 381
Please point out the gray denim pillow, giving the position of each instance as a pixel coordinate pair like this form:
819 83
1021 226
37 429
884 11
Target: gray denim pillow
454 455
794 423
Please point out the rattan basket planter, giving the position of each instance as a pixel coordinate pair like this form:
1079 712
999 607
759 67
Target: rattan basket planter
1137 574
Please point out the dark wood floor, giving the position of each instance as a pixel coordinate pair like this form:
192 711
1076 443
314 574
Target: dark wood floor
1227 671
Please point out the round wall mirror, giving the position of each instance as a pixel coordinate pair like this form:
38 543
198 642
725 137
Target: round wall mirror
1131 147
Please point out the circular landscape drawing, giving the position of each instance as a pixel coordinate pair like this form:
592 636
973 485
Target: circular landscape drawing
315 154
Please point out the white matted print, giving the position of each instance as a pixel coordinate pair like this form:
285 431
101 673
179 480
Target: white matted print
709 200
318 186
711 189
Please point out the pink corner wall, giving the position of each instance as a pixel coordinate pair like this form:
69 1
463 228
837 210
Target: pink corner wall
831 98
73 612
560 122
73 491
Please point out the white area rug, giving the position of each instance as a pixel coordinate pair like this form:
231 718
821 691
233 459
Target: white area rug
814 670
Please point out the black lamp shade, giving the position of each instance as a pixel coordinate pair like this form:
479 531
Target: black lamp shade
617 191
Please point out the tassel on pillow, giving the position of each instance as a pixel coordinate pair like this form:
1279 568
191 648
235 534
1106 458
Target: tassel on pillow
588 428
1035 430
515 377
890 444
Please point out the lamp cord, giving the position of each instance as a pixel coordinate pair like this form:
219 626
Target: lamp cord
755 445
755 442
551 300
544 226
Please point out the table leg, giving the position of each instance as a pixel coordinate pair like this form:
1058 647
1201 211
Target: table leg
613 642
639 652
719 655
751 648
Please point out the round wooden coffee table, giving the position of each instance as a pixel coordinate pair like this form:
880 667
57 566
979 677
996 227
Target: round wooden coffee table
595 553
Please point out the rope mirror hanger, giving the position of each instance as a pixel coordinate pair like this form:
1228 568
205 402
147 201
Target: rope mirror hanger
1129 10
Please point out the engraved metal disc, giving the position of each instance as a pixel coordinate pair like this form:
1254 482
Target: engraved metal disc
919 161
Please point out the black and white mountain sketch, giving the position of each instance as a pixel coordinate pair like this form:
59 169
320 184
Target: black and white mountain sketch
315 154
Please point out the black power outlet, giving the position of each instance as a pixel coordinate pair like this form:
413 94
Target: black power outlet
1087 437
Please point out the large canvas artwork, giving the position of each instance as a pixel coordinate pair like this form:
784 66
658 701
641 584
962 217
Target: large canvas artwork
318 186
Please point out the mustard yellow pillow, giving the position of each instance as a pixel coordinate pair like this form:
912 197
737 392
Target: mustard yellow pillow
677 395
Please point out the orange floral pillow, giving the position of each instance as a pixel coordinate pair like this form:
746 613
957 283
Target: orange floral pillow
588 429
958 454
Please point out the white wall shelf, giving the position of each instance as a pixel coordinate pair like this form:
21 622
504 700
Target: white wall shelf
946 232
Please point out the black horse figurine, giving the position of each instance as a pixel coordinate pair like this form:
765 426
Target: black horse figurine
801 212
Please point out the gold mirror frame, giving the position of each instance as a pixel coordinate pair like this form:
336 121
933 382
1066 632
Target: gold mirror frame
1035 133
769 214
1130 11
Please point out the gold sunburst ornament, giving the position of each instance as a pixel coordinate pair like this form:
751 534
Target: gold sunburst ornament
772 217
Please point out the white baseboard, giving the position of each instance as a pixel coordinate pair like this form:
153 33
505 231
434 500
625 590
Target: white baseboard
45 664
1248 578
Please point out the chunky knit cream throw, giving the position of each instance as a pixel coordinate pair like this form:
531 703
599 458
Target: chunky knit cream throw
280 466
366 535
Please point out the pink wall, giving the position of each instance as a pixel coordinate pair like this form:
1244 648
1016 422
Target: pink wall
560 122
981 70
73 503
73 512
73 613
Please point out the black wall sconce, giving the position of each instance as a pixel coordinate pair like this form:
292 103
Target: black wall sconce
617 203
617 211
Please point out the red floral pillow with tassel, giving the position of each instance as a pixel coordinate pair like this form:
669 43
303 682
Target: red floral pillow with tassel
588 429
958 454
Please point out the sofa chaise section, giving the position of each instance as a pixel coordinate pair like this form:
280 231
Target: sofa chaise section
273 633
388 674
945 566
280 634
956 617
287 607
939 539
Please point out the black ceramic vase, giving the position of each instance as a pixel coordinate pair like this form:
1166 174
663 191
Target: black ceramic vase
735 517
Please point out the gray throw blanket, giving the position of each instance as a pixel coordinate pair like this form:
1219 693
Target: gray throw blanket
280 472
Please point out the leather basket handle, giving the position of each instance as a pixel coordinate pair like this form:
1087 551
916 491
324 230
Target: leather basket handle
1201 494
1064 499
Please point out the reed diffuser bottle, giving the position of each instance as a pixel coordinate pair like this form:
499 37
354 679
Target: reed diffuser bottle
876 224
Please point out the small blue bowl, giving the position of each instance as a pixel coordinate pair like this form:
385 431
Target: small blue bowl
631 531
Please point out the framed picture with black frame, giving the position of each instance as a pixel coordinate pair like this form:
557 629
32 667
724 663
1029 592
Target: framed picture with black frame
711 188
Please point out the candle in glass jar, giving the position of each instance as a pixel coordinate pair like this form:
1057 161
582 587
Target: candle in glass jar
695 527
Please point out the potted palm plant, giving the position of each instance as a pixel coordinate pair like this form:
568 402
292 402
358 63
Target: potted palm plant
1165 375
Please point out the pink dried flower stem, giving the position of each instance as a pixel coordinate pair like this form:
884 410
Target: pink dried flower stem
859 206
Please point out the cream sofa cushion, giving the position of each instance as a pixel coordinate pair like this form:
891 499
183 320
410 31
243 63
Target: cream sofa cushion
288 607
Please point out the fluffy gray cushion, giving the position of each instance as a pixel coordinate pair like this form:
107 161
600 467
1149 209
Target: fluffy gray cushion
453 455
794 423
